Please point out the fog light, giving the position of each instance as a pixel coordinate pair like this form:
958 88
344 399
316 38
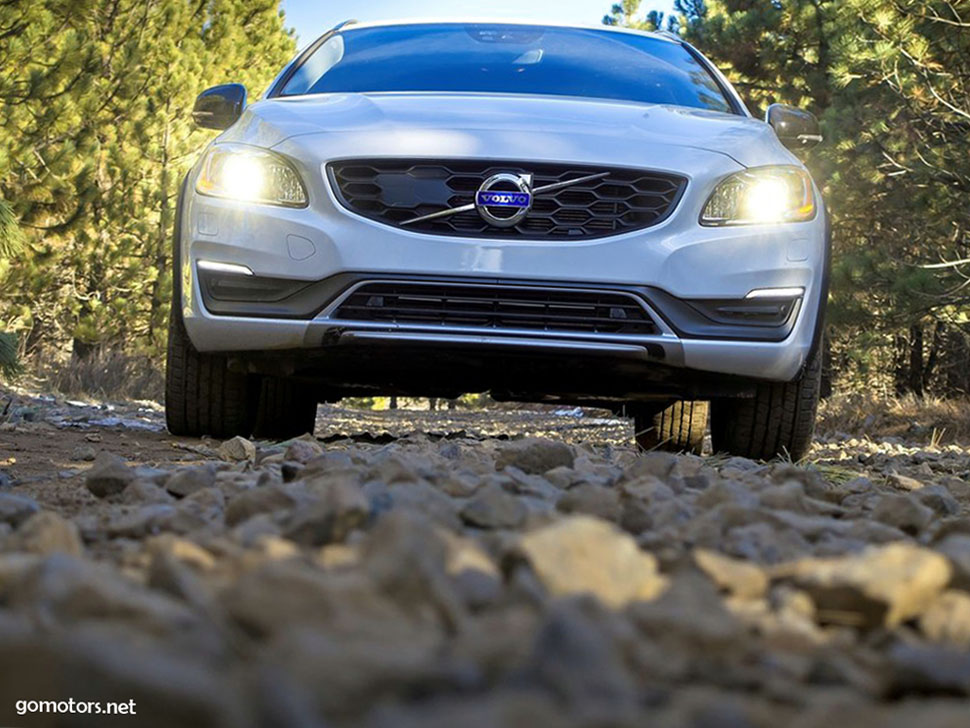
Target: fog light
776 293
216 267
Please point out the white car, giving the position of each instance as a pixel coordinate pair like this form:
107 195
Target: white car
549 213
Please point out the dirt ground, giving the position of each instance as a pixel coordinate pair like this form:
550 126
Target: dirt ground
487 568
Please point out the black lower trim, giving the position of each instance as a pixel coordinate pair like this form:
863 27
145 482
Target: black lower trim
256 296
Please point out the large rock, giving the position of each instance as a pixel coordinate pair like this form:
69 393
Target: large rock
584 555
535 455
576 657
165 688
108 476
884 585
47 533
15 509
72 590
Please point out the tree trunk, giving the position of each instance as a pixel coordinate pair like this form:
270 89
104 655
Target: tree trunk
158 307
900 369
916 359
956 363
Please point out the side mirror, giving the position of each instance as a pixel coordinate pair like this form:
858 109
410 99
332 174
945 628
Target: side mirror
219 107
796 129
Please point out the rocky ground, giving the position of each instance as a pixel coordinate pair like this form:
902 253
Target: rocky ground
475 569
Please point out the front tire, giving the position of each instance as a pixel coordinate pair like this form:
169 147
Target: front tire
680 427
287 408
202 397
778 422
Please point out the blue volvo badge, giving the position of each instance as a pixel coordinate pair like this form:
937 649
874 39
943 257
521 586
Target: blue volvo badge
504 199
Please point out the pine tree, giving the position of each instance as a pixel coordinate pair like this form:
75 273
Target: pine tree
95 136
889 80
11 244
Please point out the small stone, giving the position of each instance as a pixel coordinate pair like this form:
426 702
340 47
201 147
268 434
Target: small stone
46 533
108 476
904 482
340 509
476 578
584 555
187 481
956 547
905 512
291 471
534 455
182 550
741 579
202 509
237 449
15 509
656 463
143 521
302 451
265 499
939 498
338 556
83 452
492 507
947 620
143 491
459 484
593 500
929 669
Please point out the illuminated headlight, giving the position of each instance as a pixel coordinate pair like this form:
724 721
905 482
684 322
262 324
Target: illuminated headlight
761 195
250 174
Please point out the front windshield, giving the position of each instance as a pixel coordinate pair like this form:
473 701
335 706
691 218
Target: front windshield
508 59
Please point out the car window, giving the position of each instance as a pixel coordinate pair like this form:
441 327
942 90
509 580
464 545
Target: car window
491 58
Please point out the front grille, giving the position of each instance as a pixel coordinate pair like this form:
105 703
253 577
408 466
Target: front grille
393 191
497 307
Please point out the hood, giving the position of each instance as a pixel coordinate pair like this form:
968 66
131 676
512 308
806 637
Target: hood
535 120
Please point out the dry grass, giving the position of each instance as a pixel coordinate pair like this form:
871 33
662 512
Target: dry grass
928 420
109 374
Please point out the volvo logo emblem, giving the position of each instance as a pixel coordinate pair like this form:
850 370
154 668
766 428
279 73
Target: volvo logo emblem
504 199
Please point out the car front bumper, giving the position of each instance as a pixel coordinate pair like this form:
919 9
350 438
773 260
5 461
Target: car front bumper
677 266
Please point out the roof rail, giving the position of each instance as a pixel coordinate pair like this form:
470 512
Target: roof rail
341 24
667 34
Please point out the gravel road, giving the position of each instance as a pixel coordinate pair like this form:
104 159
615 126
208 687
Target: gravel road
478 569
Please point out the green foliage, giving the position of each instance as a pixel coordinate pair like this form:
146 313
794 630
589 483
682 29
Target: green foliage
888 79
95 137
9 363
11 236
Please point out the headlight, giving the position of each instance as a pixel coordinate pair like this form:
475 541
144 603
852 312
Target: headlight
761 195
250 174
